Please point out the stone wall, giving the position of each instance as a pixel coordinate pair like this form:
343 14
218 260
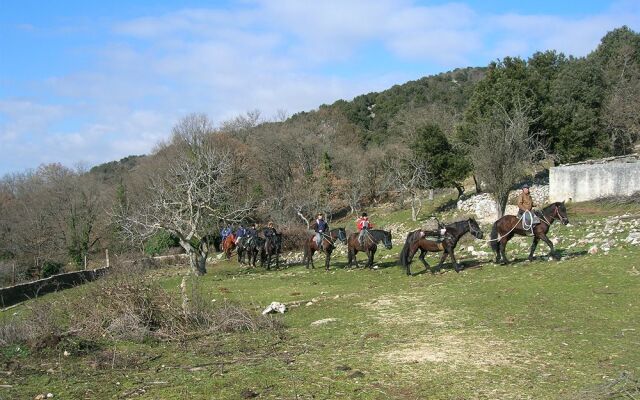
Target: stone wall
15 294
593 180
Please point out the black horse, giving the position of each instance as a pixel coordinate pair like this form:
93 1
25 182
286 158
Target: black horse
242 247
509 225
272 247
253 245
370 245
453 232
328 245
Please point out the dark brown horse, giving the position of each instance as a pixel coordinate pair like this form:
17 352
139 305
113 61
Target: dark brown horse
416 241
327 246
509 225
272 247
370 245
253 246
228 244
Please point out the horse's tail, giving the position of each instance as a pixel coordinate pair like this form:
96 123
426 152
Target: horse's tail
404 253
494 237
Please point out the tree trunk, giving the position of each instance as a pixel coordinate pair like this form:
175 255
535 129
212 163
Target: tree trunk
477 183
416 206
197 258
430 194
502 204
460 189
198 263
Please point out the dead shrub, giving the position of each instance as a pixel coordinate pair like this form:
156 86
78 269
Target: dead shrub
127 307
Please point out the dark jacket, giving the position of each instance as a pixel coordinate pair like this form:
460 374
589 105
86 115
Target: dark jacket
321 226
268 232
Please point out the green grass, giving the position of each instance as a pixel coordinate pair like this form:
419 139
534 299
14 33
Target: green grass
528 330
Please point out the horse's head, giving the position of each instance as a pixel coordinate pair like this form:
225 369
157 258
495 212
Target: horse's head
474 228
342 235
560 212
386 239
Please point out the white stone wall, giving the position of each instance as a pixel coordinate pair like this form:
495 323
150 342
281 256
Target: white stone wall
584 182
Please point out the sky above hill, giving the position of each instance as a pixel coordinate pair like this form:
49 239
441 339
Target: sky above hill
88 82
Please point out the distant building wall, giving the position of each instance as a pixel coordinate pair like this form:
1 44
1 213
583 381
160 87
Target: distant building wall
592 180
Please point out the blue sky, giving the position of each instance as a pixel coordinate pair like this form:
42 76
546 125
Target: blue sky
89 82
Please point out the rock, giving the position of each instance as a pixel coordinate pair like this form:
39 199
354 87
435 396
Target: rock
40 397
49 395
634 236
323 321
593 250
471 249
275 307
66 353
309 304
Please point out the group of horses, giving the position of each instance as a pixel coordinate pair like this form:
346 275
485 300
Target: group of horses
503 230
250 247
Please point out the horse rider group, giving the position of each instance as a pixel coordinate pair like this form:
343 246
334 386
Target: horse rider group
249 233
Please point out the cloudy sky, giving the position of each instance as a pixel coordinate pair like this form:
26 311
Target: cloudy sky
88 82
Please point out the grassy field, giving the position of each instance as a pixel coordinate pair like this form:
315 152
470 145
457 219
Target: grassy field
542 329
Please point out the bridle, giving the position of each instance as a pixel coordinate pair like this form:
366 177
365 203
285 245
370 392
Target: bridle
474 232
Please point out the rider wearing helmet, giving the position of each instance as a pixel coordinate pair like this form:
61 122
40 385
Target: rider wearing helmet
363 225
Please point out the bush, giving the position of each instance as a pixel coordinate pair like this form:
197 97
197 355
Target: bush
50 268
127 307
159 243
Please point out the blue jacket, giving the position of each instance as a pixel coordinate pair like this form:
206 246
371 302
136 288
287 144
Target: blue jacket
241 232
321 226
225 232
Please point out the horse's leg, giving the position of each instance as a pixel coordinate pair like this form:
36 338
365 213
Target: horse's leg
503 245
355 258
442 258
534 244
371 254
422 258
455 262
552 252
327 259
497 251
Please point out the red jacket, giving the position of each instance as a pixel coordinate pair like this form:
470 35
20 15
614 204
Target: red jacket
363 222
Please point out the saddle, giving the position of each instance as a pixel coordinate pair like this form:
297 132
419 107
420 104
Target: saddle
530 219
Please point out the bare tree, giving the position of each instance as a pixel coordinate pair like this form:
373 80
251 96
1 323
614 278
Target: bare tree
505 150
190 195
407 175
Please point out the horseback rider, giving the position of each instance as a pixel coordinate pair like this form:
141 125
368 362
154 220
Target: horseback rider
225 232
240 233
363 225
320 227
525 206
251 233
270 230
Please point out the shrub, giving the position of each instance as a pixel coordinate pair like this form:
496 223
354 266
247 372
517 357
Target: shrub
159 243
50 268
